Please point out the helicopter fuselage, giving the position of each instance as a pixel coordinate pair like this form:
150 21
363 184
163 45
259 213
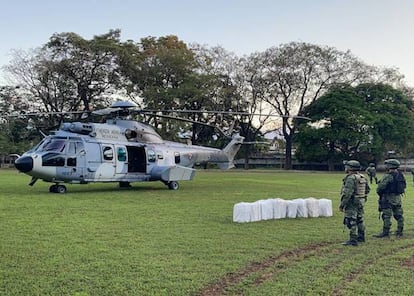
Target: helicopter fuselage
121 151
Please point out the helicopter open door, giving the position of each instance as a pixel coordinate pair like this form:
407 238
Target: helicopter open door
137 159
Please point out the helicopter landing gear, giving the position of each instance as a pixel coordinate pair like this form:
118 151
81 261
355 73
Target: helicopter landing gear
124 184
173 185
56 188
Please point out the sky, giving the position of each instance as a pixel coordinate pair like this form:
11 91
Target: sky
379 32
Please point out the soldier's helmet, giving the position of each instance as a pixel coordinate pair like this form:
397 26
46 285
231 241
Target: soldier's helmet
392 163
372 164
352 165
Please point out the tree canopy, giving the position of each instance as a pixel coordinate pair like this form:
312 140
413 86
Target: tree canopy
361 122
70 73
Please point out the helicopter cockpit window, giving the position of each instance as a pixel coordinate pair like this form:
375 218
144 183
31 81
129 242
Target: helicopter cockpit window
55 144
122 154
38 146
177 157
108 154
151 156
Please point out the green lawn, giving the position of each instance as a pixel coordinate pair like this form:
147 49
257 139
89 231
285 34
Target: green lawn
148 240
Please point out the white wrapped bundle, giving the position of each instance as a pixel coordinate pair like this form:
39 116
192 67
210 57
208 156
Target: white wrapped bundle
312 204
325 208
302 208
266 209
255 212
280 208
241 212
291 209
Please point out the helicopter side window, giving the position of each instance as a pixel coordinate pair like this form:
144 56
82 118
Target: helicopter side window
72 148
151 156
53 159
121 154
71 161
177 157
108 154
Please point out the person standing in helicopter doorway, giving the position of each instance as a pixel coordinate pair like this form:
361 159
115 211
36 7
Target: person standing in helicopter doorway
372 173
354 194
390 188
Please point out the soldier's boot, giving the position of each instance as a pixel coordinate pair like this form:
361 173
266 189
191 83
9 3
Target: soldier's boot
350 243
361 237
399 232
385 233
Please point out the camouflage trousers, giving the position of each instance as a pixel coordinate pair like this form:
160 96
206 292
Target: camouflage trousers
354 219
397 212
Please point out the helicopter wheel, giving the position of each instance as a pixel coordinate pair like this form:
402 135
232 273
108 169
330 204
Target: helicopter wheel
57 188
53 188
124 185
61 189
173 185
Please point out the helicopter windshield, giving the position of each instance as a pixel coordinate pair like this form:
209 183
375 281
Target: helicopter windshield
38 145
54 144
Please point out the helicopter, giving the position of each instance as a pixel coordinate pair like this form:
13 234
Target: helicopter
120 150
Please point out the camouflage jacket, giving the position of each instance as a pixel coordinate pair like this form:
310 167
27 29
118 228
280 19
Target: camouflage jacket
371 171
392 198
348 190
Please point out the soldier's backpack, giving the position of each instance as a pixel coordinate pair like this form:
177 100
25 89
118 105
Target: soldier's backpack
399 182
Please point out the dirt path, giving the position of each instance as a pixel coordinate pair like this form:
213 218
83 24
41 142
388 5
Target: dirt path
263 270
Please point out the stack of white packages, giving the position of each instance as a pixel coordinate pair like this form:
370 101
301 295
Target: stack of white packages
241 212
277 208
302 208
255 211
266 209
312 204
292 209
325 207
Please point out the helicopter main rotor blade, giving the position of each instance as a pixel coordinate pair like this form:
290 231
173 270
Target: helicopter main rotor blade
227 112
34 114
187 120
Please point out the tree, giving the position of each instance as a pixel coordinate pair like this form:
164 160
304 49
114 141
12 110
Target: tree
295 74
161 72
361 122
15 133
68 73
235 87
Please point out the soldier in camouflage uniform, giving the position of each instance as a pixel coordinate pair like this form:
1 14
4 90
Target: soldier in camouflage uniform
372 173
389 201
353 197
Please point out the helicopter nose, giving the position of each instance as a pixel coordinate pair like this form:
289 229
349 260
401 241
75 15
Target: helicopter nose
24 164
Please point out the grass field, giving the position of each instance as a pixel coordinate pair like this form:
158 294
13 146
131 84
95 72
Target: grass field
148 240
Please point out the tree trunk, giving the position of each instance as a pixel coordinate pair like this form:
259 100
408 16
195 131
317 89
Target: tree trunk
289 139
246 158
288 153
331 165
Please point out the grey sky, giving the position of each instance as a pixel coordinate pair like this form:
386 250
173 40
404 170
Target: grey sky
377 31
